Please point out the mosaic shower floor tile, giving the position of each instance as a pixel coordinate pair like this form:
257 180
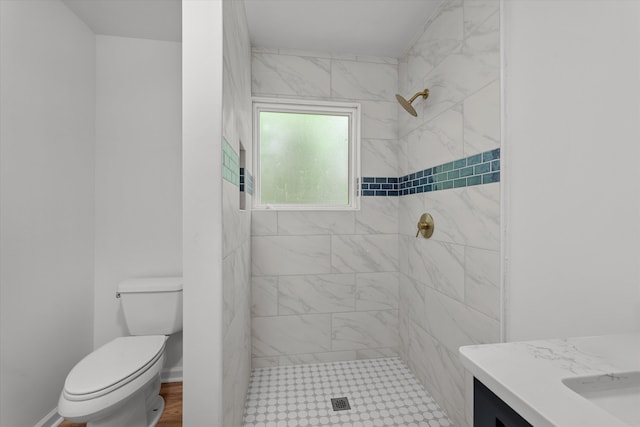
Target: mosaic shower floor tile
380 392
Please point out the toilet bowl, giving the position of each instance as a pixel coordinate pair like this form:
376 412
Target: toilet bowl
104 381
118 384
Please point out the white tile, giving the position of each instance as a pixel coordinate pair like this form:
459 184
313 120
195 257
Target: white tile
403 155
344 56
477 11
325 293
300 395
264 223
276 255
264 362
379 157
403 334
484 42
455 324
438 265
377 291
314 223
442 372
236 345
236 363
366 329
468 397
264 295
409 212
404 243
379 120
230 282
402 75
244 226
411 299
261 49
377 215
407 123
303 359
456 417
244 267
363 80
376 353
468 216
457 77
482 120
290 75
230 217
442 36
482 281
364 253
275 336
377 59
309 53
436 142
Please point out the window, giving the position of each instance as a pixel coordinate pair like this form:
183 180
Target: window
306 154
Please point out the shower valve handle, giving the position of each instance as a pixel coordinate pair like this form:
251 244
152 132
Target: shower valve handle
425 226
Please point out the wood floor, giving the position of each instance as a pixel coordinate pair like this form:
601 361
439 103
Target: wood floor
172 415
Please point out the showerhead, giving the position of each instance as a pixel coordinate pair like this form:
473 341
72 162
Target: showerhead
407 104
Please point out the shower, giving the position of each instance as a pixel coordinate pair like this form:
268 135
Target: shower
407 104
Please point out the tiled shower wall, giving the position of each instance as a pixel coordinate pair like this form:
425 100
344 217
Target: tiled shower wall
325 284
450 284
236 223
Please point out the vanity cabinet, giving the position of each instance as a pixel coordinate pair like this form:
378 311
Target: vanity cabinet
491 411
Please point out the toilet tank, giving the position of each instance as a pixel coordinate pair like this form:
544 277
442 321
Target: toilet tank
152 305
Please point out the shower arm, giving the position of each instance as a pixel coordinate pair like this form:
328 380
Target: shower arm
424 94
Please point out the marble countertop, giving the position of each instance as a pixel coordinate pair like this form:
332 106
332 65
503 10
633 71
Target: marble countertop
528 375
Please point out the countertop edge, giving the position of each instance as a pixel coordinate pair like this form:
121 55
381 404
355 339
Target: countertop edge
532 416
529 376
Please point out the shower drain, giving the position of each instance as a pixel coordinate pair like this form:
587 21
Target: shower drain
340 404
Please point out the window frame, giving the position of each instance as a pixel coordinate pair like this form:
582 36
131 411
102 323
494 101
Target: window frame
282 105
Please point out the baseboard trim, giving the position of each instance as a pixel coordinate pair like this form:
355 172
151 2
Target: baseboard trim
52 419
171 375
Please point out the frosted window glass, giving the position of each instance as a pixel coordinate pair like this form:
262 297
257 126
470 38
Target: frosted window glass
304 158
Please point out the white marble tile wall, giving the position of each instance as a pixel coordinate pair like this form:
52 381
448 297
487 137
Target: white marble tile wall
326 296
325 284
236 345
449 285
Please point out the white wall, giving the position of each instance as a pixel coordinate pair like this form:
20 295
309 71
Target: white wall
138 203
202 212
572 114
47 110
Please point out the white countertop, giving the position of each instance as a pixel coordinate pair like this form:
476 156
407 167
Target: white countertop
528 375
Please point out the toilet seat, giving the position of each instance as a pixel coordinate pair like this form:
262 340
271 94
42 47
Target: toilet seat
112 366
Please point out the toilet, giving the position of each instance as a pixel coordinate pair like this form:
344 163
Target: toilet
119 383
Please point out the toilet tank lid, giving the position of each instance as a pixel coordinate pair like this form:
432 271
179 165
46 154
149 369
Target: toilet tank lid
151 284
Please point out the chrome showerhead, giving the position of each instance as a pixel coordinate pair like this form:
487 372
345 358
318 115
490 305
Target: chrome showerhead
407 104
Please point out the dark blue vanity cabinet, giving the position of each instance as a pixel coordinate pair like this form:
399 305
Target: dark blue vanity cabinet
490 411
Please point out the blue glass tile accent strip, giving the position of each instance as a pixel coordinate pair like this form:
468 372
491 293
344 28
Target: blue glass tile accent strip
483 168
246 181
230 164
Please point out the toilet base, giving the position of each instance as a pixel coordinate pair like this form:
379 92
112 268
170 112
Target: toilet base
143 409
155 411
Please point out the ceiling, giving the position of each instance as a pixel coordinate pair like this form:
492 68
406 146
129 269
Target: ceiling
142 19
364 27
